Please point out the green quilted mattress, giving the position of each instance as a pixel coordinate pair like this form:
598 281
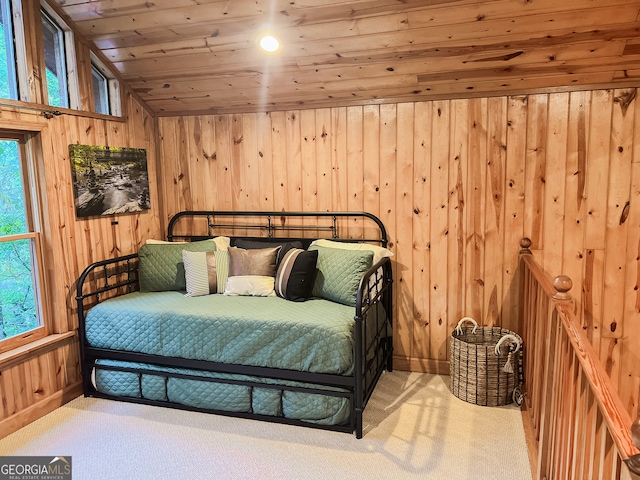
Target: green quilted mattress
312 336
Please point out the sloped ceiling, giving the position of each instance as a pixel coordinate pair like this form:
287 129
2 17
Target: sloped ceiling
188 56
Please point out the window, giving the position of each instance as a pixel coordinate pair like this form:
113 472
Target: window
8 79
106 88
100 90
21 317
55 62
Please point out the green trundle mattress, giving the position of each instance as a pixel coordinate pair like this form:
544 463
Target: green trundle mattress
308 407
312 336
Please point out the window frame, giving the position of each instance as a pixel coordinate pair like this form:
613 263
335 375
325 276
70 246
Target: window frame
115 103
33 218
70 62
97 95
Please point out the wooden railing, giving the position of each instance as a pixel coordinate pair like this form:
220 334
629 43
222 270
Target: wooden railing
580 428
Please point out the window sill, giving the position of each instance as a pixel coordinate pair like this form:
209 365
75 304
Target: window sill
21 354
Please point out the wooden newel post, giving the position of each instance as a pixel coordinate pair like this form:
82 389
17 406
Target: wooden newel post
562 284
525 243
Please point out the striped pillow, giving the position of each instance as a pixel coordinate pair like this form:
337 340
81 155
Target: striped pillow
294 278
205 272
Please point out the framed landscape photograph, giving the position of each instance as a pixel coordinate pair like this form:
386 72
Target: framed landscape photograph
109 180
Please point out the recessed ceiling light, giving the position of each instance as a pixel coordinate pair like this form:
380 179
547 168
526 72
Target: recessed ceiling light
269 43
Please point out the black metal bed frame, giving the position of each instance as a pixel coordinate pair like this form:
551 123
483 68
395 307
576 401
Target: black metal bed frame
372 353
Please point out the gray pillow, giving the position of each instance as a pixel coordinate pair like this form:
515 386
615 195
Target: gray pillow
339 273
161 266
260 261
251 244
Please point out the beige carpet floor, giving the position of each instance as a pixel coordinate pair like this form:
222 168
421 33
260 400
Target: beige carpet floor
414 429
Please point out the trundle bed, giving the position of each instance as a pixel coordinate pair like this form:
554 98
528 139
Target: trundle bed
283 351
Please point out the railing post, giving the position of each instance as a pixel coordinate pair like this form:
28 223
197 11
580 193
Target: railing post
562 284
633 462
525 243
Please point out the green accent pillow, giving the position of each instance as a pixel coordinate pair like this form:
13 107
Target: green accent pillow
339 273
161 266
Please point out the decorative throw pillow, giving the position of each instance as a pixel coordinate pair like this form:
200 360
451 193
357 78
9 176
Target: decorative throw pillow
378 254
161 267
295 275
250 244
252 262
205 272
250 285
339 273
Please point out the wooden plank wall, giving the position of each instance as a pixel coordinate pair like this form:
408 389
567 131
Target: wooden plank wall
457 183
33 383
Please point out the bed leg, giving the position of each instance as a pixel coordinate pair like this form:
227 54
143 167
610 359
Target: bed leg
358 423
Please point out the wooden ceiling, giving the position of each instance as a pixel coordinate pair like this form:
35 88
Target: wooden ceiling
188 56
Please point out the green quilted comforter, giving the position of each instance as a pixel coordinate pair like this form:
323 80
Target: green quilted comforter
312 336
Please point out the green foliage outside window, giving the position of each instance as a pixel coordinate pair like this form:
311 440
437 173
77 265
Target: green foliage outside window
5 91
53 88
18 312
8 79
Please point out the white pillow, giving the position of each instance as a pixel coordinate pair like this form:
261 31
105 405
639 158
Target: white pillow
153 241
250 285
222 243
378 252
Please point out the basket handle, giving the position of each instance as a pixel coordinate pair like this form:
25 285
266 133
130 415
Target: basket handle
513 338
466 319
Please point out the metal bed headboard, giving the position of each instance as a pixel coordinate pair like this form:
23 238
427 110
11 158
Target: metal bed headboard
268 222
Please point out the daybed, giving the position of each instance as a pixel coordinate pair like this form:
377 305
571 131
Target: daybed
309 355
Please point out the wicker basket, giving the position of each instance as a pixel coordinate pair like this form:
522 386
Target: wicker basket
486 365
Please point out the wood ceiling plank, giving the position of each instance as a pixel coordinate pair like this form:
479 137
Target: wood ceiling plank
462 67
445 48
213 61
504 9
239 69
233 107
318 90
143 66
103 9
445 90
120 38
231 16
630 74
232 42
559 59
220 30
351 71
474 33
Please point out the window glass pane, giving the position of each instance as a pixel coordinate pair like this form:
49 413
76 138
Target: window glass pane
100 90
18 311
54 59
8 79
13 215
18 307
